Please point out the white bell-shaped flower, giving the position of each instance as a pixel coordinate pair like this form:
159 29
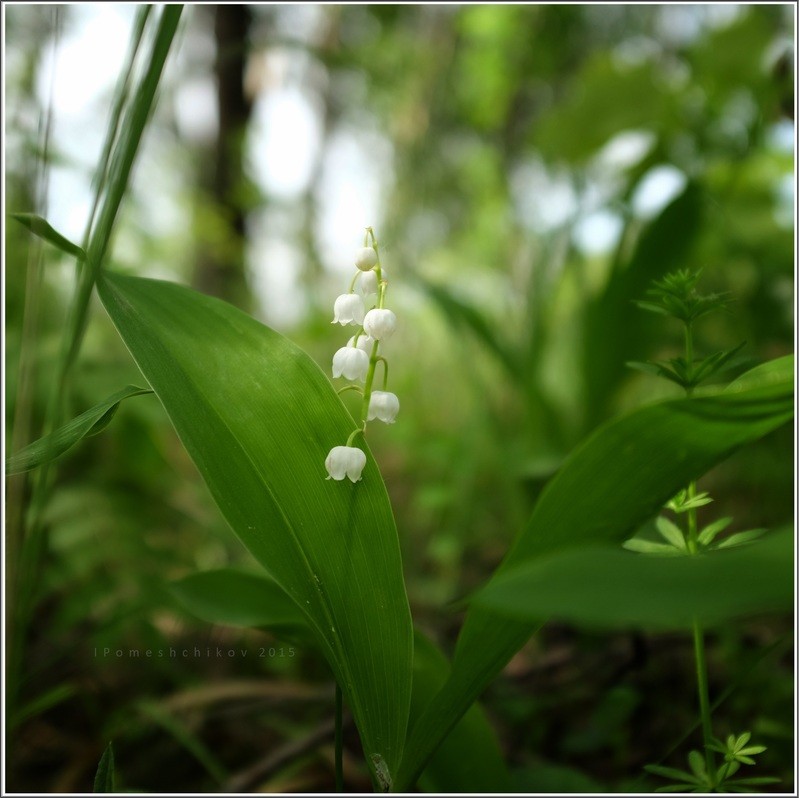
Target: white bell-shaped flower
366 259
351 362
380 323
364 342
369 283
345 461
383 405
348 309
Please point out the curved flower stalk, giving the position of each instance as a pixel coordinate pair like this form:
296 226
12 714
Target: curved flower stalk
357 361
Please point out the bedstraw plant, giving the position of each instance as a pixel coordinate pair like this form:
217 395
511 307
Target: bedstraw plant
676 296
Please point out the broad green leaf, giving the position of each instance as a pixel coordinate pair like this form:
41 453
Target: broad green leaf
42 228
258 417
51 446
611 484
470 759
238 598
614 330
777 371
104 778
611 588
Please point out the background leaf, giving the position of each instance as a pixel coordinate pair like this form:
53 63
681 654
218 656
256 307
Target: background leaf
608 587
258 418
104 778
42 228
237 598
94 420
470 759
619 477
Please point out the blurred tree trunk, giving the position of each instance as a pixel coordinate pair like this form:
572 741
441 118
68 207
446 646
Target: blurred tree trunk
220 266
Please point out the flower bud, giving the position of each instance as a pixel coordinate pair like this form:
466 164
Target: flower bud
383 405
366 259
345 461
364 342
348 309
369 283
351 363
380 323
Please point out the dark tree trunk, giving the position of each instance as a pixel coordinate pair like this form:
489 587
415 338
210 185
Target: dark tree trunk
220 268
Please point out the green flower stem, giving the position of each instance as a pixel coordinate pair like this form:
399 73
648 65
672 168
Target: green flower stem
352 282
370 378
339 741
693 544
704 698
373 358
385 371
699 650
355 432
689 354
699 638
381 284
349 388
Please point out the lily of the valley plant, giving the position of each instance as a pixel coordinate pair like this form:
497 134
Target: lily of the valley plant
357 361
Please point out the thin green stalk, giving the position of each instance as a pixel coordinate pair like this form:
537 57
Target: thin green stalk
120 96
689 350
20 434
698 635
692 541
373 358
121 162
367 389
704 699
339 741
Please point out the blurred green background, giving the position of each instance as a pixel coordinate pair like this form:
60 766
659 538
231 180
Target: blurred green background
529 170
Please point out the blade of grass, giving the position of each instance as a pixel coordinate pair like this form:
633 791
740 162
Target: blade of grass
52 446
42 228
104 778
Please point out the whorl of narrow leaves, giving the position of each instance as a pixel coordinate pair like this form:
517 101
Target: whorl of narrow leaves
676 295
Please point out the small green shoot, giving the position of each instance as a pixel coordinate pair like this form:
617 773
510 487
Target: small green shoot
736 752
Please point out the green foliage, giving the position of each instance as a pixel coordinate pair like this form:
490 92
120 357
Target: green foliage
651 452
480 127
676 296
104 778
469 759
239 598
45 231
607 588
736 752
258 418
52 446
